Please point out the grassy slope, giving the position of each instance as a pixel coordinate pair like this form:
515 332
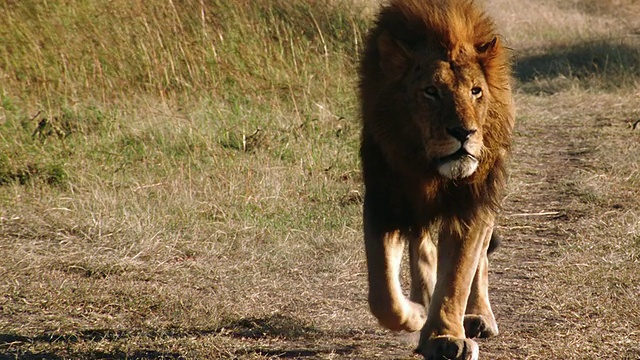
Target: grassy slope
195 189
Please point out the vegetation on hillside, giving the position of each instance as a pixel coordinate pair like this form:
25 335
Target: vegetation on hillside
123 83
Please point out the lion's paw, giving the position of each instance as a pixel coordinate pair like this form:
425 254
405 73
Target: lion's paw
417 317
478 326
448 347
410 316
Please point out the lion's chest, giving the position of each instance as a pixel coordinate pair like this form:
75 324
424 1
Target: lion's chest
434 199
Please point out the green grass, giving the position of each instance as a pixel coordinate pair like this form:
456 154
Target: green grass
240 52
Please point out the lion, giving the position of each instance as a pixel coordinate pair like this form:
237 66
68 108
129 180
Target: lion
437 121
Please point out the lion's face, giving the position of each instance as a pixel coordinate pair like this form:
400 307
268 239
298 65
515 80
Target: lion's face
439 109
447 102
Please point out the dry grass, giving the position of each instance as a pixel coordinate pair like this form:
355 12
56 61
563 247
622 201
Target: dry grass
195 191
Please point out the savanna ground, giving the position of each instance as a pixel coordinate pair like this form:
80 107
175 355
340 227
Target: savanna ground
190 188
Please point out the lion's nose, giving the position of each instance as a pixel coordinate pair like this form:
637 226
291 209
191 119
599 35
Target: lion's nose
460 133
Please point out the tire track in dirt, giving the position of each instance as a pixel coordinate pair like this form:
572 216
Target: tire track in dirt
529 228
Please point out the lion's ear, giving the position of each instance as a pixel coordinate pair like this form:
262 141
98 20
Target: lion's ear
394 57
487 47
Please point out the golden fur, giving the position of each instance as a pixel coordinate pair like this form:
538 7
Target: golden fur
437 120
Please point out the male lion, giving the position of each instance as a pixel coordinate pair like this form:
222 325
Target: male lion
437 121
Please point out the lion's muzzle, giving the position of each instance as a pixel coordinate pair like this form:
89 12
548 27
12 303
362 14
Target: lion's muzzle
458 165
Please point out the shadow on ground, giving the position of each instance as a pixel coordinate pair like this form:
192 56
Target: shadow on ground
280 327
610 64
16 346
138 355
283 353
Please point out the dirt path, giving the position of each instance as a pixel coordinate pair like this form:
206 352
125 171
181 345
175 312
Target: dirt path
535 210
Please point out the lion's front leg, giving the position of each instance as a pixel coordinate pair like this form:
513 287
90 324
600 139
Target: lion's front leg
479 320
386 300
459 252
423 258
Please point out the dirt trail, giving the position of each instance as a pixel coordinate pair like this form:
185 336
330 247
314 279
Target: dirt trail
530 227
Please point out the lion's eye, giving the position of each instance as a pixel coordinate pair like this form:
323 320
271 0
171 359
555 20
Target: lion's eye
476 91
431 92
